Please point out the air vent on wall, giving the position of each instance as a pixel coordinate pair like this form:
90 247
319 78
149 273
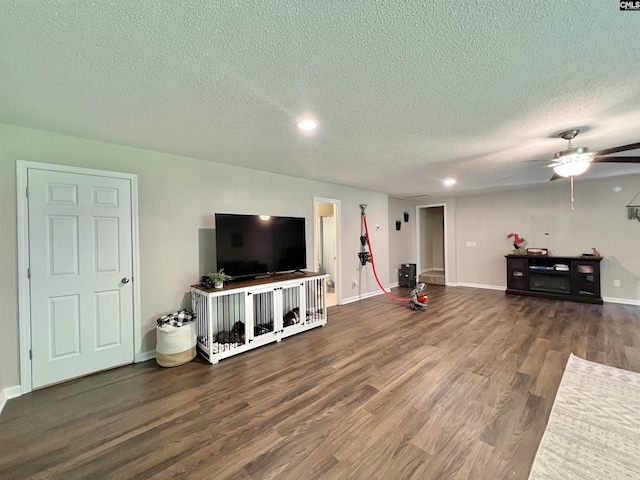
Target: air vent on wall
410 197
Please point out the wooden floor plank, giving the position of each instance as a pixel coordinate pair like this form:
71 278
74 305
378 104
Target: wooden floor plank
461 390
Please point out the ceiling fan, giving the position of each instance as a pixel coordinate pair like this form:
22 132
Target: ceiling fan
575 161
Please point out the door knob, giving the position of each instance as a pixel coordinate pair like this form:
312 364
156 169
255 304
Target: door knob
125 280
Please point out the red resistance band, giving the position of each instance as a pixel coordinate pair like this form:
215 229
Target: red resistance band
366 231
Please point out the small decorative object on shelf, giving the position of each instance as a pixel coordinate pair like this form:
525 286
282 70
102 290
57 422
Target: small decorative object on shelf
594 254
218 278
518 243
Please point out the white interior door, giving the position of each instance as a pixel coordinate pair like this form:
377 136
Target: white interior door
80 261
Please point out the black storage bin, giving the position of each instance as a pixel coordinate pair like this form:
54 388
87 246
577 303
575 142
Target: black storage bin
407 275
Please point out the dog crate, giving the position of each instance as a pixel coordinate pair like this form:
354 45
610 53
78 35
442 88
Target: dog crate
249 314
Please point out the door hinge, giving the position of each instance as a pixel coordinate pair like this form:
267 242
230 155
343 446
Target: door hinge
29 273
30 354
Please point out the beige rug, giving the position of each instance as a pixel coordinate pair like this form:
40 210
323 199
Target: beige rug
594 426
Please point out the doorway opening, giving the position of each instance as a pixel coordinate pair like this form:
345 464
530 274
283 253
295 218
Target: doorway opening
431 244
327 245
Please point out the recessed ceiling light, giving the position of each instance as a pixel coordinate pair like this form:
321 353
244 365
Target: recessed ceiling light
449 181
617 189
307 124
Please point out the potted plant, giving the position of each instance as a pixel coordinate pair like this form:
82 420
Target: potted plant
218 278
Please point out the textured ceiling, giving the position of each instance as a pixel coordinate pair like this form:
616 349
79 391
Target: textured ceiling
407 92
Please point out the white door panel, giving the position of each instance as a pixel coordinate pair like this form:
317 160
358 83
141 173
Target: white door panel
80 247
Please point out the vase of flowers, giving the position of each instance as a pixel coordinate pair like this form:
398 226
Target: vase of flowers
518 243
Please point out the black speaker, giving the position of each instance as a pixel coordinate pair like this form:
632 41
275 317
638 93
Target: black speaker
407 275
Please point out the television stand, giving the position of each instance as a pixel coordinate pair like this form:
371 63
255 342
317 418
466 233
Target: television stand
563 278
251 313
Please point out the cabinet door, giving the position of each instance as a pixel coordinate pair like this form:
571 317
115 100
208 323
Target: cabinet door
225 324
586 278
517 273
292 302
315 295
262 309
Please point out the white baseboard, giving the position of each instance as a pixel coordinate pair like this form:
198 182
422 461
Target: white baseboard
624 301
7 394
144 356
362 297
451 284
479 285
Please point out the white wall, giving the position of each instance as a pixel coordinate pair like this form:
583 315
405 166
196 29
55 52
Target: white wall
178 197
402 243
599 220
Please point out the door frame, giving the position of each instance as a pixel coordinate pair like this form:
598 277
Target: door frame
24 298
337 204
418 240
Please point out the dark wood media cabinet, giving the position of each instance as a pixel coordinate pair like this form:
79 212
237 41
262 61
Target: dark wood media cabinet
563 278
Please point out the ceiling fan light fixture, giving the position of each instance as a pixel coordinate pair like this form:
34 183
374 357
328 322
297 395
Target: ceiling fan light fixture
572 167
572 154
307 124
572 162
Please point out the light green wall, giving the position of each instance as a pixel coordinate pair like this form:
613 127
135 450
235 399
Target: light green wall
180 193
432 238
599 220
177 198
402 243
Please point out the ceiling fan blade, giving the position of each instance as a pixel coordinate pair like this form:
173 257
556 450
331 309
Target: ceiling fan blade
617 159
622 148
555 177
532 170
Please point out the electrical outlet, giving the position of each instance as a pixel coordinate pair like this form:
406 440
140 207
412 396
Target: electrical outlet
354 283
616 283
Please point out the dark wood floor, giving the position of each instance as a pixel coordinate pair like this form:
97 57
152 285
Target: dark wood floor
460 390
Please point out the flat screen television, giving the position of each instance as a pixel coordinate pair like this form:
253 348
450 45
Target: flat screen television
252 245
